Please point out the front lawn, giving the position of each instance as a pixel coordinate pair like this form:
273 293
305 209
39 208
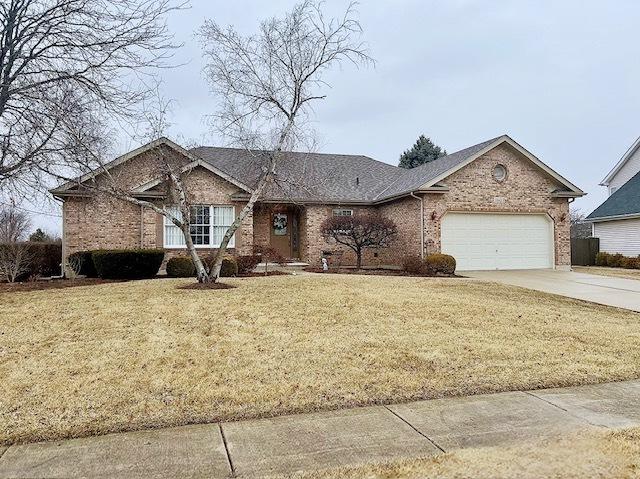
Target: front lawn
120 356
606 271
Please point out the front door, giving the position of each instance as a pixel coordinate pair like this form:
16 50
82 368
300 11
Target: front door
281 232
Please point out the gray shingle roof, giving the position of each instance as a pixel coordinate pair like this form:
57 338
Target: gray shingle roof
414 178
331 178
625 201
306 176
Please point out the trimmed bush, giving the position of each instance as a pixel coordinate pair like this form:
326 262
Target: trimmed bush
83 260
602 259
630 263
413 264
247 263
128 263
181 267
440 264
269 255
615 260
229 268
46 258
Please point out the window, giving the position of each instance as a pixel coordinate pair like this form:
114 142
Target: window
342 212
499 172
208 226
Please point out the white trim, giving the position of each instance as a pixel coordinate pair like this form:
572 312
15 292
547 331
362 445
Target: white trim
153 144
600 219
342 210
167 222
523 151
150 184
628 154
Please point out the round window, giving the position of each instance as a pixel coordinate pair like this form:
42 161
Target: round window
499 172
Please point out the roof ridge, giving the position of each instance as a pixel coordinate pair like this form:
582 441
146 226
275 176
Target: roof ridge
352 155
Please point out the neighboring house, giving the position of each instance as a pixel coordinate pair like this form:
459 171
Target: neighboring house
493 205
617 221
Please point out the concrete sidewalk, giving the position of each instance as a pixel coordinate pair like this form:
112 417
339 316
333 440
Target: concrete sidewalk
313 441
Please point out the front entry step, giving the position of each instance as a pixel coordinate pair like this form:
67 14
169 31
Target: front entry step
289 266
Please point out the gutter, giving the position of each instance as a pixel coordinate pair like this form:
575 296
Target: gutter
600 219
421 200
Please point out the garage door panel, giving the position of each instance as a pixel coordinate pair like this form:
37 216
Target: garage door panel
498 241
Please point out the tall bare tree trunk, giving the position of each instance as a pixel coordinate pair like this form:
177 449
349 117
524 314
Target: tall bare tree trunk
214 273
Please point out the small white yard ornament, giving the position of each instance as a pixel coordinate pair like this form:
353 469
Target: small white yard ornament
325 264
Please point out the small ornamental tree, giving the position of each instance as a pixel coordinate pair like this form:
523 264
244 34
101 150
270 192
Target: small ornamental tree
360 232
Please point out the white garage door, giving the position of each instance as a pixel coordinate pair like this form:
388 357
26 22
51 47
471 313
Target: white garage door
498 241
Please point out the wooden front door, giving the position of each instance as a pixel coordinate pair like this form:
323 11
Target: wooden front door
281 227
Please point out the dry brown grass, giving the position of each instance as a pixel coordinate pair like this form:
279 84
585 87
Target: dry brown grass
123 356
605 271
589 455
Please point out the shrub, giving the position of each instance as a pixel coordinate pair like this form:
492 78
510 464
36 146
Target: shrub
181 267
630 263
615 261
82 263
440 264
229 268
270 255
45 258
247 263
15 262
602 259
24 260
413 264
127 264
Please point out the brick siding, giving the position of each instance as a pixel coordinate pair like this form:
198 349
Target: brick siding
105 222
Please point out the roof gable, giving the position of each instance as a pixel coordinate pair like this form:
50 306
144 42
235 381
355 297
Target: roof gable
624 202
189 166
623 161
70 185
428 175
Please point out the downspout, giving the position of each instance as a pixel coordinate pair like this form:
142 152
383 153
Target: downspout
63 258
141 226
421 200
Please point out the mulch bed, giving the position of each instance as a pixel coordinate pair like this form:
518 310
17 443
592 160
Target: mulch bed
206 286
258 274
53 284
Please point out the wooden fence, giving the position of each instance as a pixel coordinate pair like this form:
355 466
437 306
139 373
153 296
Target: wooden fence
584 251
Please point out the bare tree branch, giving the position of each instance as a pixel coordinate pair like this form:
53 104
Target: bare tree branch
67 60
266 82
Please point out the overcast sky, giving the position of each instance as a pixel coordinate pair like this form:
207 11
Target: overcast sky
560 77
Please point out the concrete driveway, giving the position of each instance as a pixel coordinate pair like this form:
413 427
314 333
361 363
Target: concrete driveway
619 292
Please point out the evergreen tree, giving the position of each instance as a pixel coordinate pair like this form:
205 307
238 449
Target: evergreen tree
39 236
423 151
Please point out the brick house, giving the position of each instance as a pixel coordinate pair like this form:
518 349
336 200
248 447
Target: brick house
493 205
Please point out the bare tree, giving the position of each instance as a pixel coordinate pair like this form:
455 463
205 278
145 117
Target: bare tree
15 256
70 62
576 216
360 232
266 84
14 224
